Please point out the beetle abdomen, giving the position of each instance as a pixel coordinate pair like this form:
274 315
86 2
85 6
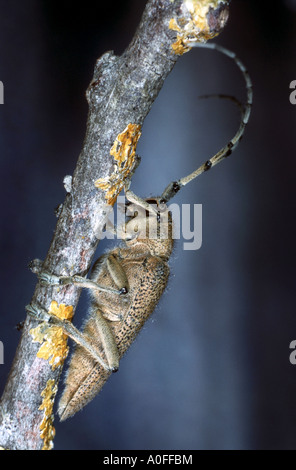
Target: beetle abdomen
148 279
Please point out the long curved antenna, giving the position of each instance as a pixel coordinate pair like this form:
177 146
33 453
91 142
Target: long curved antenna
175 186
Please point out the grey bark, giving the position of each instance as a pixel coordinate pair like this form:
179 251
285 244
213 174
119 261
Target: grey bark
122 91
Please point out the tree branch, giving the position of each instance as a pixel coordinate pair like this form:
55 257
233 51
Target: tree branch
120 96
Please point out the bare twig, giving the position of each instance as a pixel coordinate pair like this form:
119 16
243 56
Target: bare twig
120 96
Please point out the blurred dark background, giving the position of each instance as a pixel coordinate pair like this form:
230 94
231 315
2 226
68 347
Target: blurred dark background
211 369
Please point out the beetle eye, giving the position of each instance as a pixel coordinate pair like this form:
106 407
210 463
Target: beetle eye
162 207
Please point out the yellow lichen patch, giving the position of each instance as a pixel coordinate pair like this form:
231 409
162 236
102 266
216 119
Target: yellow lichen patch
46 427
193 27
54 341
124 152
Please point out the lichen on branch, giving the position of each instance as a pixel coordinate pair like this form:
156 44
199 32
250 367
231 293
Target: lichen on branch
201 20
52 338
124 152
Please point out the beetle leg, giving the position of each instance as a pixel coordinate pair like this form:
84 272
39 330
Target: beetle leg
47 278
107 339
70 330
117 273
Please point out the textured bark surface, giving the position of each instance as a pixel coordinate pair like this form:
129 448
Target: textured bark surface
121 92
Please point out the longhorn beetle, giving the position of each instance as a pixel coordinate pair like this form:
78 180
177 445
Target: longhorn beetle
126 283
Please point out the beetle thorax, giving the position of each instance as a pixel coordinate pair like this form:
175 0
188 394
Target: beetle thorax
150 232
